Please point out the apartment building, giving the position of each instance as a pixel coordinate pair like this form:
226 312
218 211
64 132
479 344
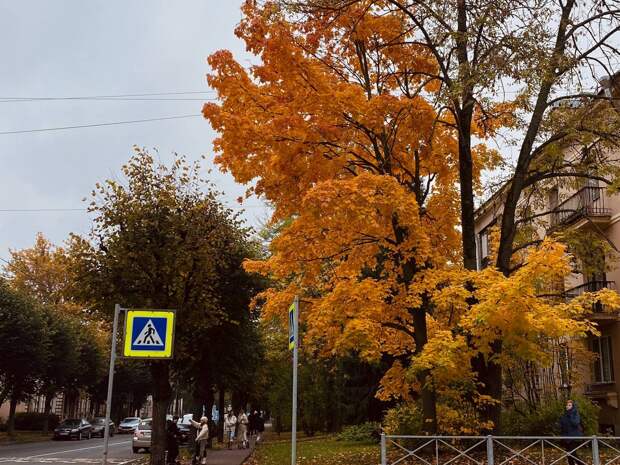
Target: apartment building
587 208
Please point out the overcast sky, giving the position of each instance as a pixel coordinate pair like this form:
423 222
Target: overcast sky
66 48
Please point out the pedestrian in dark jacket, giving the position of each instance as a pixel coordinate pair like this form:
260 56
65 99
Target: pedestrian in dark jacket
172 441
570 426
260 426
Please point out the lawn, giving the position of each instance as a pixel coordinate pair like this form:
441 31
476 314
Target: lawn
321 451
24 436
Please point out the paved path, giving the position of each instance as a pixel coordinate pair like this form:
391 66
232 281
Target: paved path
87 451
227 457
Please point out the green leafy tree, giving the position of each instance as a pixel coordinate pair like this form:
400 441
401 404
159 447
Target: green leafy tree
160 239
24 348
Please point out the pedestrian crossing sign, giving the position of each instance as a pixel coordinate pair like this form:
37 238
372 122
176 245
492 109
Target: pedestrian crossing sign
149 333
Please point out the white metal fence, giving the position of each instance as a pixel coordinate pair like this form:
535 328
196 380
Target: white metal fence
499 450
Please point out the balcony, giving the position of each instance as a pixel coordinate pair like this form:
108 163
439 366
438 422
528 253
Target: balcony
592 286
588 202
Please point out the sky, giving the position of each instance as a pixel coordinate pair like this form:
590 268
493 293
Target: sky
74 48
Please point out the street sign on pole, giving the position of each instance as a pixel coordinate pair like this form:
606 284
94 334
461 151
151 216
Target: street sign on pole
291 326
149 334
295 347
108 405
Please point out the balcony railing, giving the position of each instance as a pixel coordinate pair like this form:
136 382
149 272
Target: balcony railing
586 202
591 286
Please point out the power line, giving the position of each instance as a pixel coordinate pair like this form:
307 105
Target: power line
115 99
117 96
84 210
39 210
94 125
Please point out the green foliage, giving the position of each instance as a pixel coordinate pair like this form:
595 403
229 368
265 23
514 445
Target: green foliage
364 432
544 420
162 239
31 421
25 345
405 418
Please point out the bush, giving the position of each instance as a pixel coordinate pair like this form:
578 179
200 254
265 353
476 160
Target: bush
364 432
544 421
404 419
32 421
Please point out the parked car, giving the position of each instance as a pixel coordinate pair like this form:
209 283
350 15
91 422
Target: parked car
128 425
142 436
99 426
73 428
183 426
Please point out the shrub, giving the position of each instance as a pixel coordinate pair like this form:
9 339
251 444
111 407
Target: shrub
32 421
544 421
364 432
403 419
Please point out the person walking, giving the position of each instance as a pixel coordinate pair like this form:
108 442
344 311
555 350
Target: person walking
172 441
201 439
252 424
260 426
230 423
243 429
570 426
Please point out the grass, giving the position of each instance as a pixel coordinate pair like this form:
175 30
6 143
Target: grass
319 451
23 437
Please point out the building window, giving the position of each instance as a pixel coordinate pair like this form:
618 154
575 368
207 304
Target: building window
484 243
603 365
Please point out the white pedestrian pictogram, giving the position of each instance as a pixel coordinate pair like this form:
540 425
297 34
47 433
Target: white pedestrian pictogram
148 336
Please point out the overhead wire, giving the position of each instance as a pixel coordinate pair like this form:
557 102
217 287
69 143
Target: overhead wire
94 125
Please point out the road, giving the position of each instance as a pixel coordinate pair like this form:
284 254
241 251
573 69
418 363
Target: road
87 451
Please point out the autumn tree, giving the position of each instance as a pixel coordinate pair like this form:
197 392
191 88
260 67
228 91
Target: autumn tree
363 137
511 65
338 137
42 272
160 239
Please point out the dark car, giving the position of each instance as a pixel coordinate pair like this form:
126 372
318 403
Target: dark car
73 428
99 426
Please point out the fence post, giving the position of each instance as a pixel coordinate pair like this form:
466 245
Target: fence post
596 458
383 450
490 458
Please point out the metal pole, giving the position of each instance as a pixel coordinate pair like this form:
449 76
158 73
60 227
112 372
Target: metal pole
383 450
596 458
490 458
108 405
295 360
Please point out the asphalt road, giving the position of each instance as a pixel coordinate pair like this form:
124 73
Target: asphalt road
86 451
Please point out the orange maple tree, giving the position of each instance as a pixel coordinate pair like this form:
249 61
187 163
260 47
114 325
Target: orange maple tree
334 128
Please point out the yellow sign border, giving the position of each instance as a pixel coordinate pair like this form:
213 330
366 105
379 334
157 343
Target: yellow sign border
130 315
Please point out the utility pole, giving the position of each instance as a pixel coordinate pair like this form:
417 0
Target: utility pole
295 363
108 405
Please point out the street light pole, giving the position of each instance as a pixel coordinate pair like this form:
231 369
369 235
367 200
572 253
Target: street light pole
295 362
108 405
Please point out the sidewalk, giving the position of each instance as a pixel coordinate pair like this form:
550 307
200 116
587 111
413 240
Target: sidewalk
228 457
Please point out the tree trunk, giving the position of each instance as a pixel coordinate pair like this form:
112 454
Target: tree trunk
10 425
221 407
48 410
427 393
162 394
466 174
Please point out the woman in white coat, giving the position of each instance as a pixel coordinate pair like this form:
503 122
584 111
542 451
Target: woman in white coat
230 424
201 438
243 429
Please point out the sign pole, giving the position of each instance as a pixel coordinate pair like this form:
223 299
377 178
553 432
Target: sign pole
295 362
108 405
